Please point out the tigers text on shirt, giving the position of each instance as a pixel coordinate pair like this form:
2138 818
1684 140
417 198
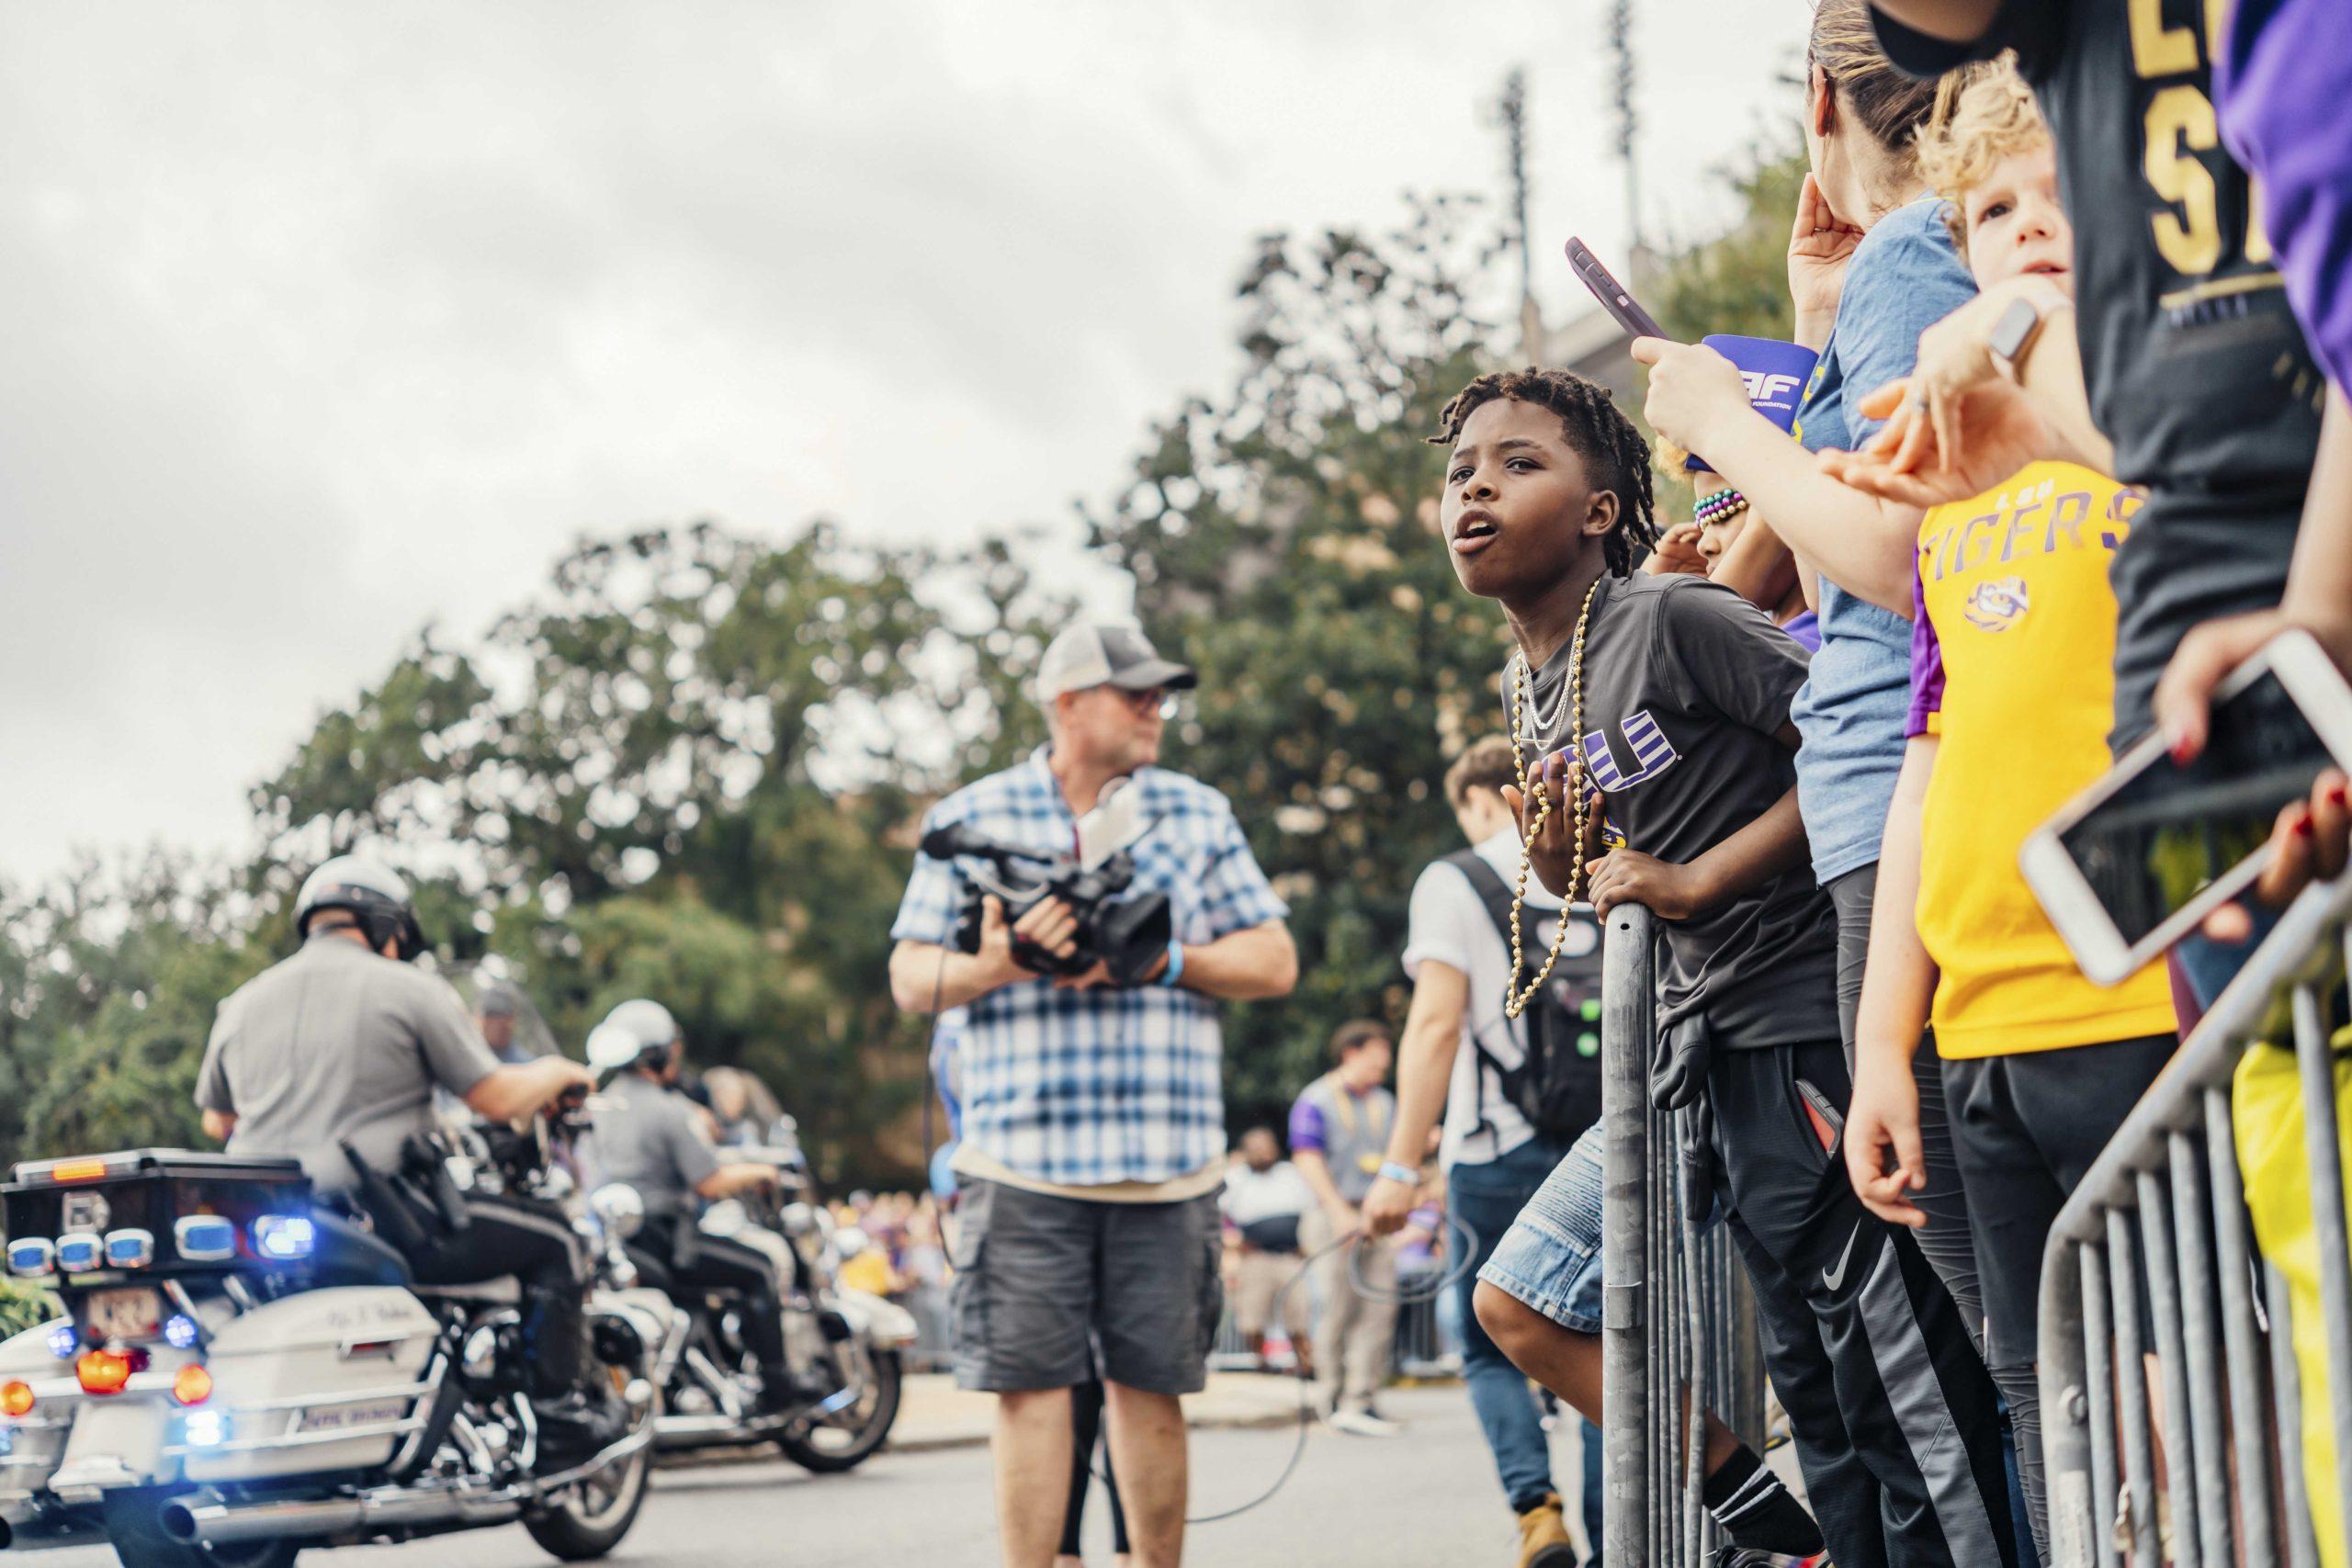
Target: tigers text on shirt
2012 653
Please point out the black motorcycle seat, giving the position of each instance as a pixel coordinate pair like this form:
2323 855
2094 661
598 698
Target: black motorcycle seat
348 1255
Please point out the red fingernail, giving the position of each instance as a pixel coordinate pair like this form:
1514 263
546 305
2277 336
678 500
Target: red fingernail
2303 826
2338 795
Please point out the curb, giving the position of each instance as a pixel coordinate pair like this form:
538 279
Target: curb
935 1442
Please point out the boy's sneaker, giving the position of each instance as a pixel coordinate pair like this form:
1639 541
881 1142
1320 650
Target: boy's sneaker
1362 1424
1543 1536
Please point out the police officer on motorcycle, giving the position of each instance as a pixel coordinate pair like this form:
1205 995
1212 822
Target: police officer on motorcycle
341 1047
645 1137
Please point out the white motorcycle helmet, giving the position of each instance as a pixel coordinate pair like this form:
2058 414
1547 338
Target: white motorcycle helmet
648 1021
612 1047
632 1032
369 890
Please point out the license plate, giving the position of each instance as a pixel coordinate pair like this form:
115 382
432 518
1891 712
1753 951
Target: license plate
131 1313
344 1417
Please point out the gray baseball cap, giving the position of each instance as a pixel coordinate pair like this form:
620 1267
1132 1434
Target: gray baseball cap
1106 653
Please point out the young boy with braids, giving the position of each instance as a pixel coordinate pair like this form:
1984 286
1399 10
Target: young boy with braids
1652 714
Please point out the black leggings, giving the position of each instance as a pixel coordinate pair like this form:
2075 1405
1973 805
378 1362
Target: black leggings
1086 1428
1945 1242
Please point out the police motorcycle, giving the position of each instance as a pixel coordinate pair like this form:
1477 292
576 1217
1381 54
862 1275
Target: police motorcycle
211 1399
712 1387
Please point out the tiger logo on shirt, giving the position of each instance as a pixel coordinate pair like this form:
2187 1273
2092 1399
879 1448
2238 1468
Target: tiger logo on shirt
1998 604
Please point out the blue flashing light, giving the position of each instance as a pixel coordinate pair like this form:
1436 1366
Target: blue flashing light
205 1428
130 1249
7 1439
81 1252
63 1341
180 1331
285 1238
32 1256
206 1238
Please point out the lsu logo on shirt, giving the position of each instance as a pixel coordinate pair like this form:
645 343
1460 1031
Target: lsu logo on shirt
1998 605
1653 753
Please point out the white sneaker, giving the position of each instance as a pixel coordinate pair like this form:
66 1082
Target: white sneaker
1363 1424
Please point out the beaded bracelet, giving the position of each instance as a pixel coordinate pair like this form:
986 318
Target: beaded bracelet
1719 507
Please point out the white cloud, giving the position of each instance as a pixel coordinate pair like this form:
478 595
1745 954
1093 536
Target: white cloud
325 320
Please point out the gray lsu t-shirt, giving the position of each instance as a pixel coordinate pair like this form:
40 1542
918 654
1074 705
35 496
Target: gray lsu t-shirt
645 1136
337 1044
1686 686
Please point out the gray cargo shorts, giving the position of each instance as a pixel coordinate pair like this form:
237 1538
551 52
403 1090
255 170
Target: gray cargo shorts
1049 1289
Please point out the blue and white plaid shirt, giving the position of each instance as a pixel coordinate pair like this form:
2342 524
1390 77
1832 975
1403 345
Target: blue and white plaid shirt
1080 1088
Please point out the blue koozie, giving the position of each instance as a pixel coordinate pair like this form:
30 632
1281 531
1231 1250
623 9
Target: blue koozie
1776 374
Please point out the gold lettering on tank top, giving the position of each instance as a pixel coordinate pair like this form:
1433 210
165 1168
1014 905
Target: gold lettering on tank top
2179 128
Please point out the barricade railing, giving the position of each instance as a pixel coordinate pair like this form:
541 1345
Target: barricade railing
1679 1323
2158 1234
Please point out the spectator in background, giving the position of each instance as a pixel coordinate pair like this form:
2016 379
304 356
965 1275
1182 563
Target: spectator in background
494 1010
1265 1200
1339 1131
1457 1045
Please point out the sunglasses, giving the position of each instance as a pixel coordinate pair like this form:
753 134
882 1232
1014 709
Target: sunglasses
1155 699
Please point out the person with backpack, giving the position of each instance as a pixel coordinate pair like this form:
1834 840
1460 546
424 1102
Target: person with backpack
1464 1063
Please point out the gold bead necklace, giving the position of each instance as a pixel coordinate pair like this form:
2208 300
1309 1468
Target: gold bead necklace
1515 1001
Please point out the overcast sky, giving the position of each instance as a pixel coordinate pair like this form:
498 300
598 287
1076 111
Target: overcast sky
325 320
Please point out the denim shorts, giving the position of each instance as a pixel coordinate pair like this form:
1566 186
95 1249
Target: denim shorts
1550 1259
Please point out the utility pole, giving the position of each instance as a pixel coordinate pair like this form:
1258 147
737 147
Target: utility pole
1621 47
1511 111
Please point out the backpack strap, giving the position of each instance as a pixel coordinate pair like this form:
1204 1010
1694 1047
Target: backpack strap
1488 884
1497 896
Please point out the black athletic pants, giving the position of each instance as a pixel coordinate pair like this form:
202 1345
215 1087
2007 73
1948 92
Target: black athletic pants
2028 1128
1893 1411
714 1263
535 1243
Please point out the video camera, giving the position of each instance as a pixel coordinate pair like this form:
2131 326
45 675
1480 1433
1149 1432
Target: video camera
1127 935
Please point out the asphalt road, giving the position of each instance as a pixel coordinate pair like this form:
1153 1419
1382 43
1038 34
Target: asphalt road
1426 1497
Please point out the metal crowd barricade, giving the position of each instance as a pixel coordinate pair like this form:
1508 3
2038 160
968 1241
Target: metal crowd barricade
2160 1224
1677 1314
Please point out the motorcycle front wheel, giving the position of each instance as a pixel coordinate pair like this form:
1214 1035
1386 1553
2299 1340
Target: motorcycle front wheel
134 1519
592 1516
848 1437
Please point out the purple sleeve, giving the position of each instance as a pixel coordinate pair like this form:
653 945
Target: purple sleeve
2282 82
1926 663
1307 1127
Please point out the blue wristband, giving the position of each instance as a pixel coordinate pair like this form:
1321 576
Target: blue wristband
1175 970
1404 1173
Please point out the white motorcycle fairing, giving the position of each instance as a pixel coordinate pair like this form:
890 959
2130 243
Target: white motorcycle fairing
883 1325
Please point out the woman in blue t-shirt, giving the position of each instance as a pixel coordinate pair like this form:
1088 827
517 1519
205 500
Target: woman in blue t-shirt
1871 265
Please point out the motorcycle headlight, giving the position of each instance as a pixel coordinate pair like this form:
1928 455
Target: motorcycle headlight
619 1208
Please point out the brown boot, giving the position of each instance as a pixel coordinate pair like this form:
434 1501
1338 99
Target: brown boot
1543 1536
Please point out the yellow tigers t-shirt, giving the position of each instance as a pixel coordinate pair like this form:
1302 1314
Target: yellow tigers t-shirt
2012 668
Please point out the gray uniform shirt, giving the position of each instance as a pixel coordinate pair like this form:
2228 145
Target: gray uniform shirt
337 1044
645 1136
1685 685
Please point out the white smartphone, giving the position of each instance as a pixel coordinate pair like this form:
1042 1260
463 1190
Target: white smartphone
2137 861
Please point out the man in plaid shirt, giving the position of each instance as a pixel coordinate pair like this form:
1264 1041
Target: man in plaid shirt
1094 1133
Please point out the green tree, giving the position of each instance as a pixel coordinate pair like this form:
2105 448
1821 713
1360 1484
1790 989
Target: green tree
1284 538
